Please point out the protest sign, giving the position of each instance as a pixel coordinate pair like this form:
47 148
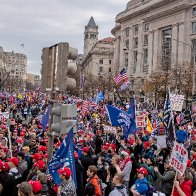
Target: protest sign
176 102
140 121
161 141
4 114
179 158
109 128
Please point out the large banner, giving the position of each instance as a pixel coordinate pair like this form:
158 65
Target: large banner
176 102
179 158
141 119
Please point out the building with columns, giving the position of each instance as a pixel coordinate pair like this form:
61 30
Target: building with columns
151 34
97 62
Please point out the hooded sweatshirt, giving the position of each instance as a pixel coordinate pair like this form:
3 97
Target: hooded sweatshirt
119 191
186 188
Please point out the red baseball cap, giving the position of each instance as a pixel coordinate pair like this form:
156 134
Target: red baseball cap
65 171
85 149
146 145
40 164
75 155
14 160
104 147
142 170
36 156
189 163
36 185
19 141
3 126
42 148
22 133
113 146
45 155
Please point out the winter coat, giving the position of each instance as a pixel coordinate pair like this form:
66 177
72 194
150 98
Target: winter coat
166 181
186 188
95 181
119 191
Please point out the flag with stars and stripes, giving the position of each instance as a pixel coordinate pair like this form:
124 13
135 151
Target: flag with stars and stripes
121 76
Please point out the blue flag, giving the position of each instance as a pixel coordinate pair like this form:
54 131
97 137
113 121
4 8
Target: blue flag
131 112
100 97
118 117
45 119
64 156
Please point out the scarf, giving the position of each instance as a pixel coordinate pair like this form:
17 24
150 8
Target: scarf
123 163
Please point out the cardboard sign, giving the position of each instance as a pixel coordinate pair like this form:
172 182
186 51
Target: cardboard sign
140 121
161 141
5 114
179 158
176 102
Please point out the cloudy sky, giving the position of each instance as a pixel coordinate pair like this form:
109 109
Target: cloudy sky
42 23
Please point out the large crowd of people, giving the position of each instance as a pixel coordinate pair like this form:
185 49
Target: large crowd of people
106 162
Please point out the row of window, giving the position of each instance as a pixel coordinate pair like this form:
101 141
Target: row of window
101 61
136 28
101 69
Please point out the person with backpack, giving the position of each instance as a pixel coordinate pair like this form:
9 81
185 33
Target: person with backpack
94 179
141 185
119 188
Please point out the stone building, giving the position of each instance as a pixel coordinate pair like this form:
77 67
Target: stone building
151 34
97 64
33 79
16 65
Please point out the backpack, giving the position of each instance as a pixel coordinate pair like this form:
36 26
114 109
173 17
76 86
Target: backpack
102 186
150 190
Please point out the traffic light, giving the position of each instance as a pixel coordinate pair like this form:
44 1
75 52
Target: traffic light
63 115
66 67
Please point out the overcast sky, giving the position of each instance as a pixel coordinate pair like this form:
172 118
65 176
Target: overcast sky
42 23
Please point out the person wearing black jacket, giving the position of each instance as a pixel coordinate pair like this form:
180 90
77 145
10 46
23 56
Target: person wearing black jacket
86 161
79 175
98 142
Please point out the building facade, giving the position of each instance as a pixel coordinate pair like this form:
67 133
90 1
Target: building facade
16 65
33 79
152 34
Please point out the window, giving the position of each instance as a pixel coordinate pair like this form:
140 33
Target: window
110 62
194 11
166 48
101 61
135 30
194 27
110 69
146 27
135 61
91 36
145 40
127 32
126 59
127 44
145 68
135 42
100 69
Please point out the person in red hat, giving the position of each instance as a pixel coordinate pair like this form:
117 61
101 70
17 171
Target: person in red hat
36 157
42 150
86 161
147 150
140 186
67 186
37 187
7 181
13 170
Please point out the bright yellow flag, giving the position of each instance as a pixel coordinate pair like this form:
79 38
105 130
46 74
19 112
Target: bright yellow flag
149 126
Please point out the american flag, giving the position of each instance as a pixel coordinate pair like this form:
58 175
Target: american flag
85 106
93 104
167 111
121 76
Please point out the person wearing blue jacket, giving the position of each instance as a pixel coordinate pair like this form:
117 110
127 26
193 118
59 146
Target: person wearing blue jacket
181 135
140 186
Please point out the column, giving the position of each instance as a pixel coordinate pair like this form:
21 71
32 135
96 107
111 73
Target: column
150 51
181 47
174 50
156 50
